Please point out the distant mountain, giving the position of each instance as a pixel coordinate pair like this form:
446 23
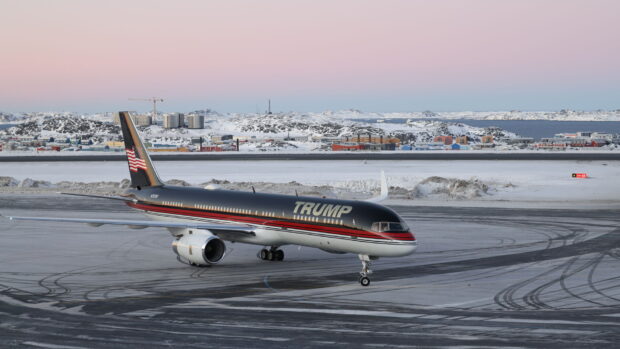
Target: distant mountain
7 117
326 125
100 127
562 115
62 126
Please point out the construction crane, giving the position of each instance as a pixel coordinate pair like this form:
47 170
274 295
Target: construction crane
152 99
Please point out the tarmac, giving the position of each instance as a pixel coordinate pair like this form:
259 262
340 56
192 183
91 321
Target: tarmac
328 155
482 277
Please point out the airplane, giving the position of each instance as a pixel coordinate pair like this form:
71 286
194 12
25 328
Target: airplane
201 219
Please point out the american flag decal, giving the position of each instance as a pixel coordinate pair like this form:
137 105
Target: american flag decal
134 162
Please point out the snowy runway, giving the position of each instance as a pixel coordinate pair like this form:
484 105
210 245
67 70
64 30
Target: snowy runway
481 277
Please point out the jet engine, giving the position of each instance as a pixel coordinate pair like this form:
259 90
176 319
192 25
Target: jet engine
199 247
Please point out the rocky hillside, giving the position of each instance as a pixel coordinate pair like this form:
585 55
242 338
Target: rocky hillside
64 125
259 125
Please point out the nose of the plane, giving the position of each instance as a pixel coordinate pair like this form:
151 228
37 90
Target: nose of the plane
407 246
408 236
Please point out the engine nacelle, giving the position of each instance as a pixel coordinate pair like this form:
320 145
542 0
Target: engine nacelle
199 247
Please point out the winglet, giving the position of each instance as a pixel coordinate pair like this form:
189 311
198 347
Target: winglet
384 190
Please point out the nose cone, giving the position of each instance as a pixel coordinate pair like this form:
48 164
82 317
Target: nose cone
409 249
412 236
407 246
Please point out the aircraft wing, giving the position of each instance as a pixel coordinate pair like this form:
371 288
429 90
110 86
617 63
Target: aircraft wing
384 190
216 228
121 198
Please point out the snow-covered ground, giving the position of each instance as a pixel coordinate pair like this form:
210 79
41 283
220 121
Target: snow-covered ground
492 183
290 131
560 115
260 126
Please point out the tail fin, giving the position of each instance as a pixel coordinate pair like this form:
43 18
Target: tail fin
140 166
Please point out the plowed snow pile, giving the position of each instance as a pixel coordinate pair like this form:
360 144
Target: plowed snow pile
28 185
432 188
450 188
421 182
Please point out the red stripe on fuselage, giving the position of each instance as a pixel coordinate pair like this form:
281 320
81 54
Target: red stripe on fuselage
400 236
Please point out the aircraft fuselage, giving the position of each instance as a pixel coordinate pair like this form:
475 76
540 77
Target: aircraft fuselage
329 224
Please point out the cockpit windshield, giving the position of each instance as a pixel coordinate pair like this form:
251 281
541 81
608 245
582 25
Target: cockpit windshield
380 227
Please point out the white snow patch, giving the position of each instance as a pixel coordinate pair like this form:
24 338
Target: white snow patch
450 188
528 182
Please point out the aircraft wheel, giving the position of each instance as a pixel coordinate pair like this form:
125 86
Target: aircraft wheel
364 281
279 255
271 255
264 254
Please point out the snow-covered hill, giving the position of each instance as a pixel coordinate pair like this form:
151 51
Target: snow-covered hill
562 115
8 117
355 114
64 126
326 125
258 125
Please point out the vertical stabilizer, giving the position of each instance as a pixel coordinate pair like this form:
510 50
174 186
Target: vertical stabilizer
140 165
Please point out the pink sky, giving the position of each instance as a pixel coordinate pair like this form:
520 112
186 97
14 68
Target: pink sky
310 55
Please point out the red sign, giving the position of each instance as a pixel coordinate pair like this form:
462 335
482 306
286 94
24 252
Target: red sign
580 175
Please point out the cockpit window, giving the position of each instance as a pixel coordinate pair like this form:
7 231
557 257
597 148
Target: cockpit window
389 227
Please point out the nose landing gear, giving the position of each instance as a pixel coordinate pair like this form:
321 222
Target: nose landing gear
364 280
272 254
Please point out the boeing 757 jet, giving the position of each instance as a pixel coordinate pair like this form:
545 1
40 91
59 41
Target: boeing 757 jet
202 219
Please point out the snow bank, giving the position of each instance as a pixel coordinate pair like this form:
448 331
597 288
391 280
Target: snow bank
31 183
525 183
8 182
450 188
432 188
28 185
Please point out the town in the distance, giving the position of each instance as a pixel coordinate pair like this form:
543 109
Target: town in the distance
346 130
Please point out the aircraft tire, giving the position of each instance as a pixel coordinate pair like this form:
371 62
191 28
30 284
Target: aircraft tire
279 255
364 281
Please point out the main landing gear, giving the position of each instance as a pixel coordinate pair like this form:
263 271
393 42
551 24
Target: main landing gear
272 254
364 279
